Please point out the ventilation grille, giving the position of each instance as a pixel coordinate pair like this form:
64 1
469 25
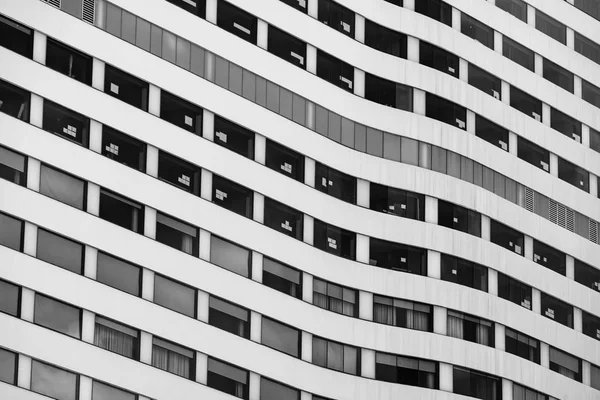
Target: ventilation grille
593 231
529 193
88 7
552 211
570 219
55 3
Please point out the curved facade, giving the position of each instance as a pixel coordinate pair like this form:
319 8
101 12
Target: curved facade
300 199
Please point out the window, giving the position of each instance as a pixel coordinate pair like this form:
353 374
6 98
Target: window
196 7
589 93
491 132
514 291
175 296
476 384
402 313
517 53
438 58
271 390
525 103
116 337
574 175
123 149
517 8
283 218
558 75
176 234
470 328
173 358
334 240
8 367
384 39
557 310
286 46
595 140
181 113
69 61
227 378
57 316
335 71
476 30
484 81
533 154
282 278
595 376
280 337
436 9
587 275
232 196
14 101
230 256
336 16
335 183
126 87
406 370
397 201
549 257
229 317
523 393
65 123
60 251
591 7
11 232
121 211
335 355
285 161
62 187
397 257
587 48
179 173
101 391
388 93
16 37
445 111
336 298
10 299
237 21
53 382
507 237
522 345
464 272
119 274
459 218
566 125
565 364
298 5
234 137
551 27
591 325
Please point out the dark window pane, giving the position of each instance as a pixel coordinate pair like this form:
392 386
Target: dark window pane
525 103
445 111
517 8
65 123
69 61
234 137
230 256
384 39
336 298
549 257
227 378
436 9
16 37
8 367
270 390
438 58
282 278
280 337
236 21
551 27
565 364
402 313
565 124
491 133
181 113
517 53
11 232
298 5
522 345
587 275
587 48
176 234
336 356
335 71
285 161
284 219
100 391
514 291
557 310
60 251
398 257
337 16
335 183
179 173
334 240
62 187
464 272
477 30
53 382
533 154
591 326
476 384
558 75
507 237
590 93
470 328
116 337
175 296
286 46
123 149
118 274
196 7
459 218
14 101
574 175
121 211
232 196
229 317
173 358
57 316
397 202
126 87
484 81
9 301
406 370
595 140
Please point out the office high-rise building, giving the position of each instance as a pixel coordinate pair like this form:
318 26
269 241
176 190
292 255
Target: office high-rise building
299 199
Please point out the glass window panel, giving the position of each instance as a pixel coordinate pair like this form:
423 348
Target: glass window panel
53 382
113 19
272 97
118 274
391 146
14 101
360 138
100 391
65 123
169 46
155 40
9 299
142 35
374 142
176 234
248 85
270 390
235 79
57 316
8 367
175 296
123 149
128 27
280 337
410 151
230 256
16 37
197 60
60 251
183 53
11 232
62 187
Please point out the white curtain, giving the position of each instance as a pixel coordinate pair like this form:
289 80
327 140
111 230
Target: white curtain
348 308
482 334
113 340
320 300
420 320
455 327
171 361
384 313
186 243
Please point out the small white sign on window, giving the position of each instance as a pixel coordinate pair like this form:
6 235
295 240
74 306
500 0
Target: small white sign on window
536 257
330 183
403 206
402 259
577 137
544 166
241 28
287 167
545 260
510 244
302 3
455 220
496 94
114 88
517 249
526 303
113 148
332 243
581 183
184 180
598 333
461 123
392 207
345 26
550 313
298 57
346 81
222 136
188 120
221 195
324 182
451 69
536 116
286 225
70 130
503 145
454 272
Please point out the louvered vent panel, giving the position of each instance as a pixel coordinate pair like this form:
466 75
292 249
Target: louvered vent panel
593 231
88 8
529 199
55 3
570 219
552 211
560 215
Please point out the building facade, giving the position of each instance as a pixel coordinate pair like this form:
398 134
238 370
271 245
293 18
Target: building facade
299 199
